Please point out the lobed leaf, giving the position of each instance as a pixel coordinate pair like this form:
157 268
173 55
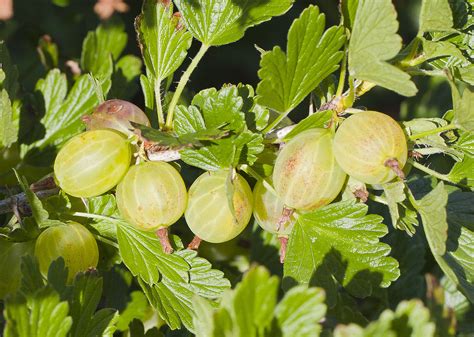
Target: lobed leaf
435 15
339 244
219 22
312 55
373 42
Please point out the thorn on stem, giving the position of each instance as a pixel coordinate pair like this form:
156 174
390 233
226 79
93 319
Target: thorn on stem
394 165
195 243
283 245
162 234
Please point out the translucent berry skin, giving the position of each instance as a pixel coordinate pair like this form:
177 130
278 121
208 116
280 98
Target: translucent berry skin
268 209
73 242
92 163
152 195
115 114
306 175
365 141
208 214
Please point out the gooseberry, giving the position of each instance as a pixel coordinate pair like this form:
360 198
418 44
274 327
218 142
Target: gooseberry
71 241
152 195
115 114
268 210
371 147
92 163
306 175
209 215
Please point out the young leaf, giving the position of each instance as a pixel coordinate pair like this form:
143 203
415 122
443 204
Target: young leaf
435 15
312 55
174 300
62 118
450 217
300 312
164 40
219 22
340 243
143 255
463 108
41 314
373 42
411 318
86 294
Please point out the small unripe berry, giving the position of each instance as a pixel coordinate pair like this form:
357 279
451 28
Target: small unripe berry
71 241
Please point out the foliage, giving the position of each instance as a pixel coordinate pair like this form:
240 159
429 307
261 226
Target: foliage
392 259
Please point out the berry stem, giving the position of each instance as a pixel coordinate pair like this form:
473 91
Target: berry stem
195 243
182 83
162 234
394 165
432 131
283 245
159 107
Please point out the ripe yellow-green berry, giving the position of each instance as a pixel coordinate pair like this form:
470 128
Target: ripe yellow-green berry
371 147
92 163
306 175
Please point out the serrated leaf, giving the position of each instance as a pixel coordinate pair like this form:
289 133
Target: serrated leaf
435 15
11 254
103 46
143 254
373 42
462 172
8 127
319 119
455 214
312 55
41 314
31 279
340 243
188 120
465 143
435 49
86 294
219 22
163 38
62 118
174 300
411 319
300 312
463 108
394 194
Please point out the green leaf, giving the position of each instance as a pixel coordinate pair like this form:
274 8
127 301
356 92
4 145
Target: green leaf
300 312
411 319
9 80
174 299
8 127
164 40
312 55
41 314
188 120
461 172
87 291
319 119
219 22
103 46
11 254
435 15
450 217
465 143
127 70
143 254
137 308
349 9
394 194
463 108
435 49
340 244
373 42
62 118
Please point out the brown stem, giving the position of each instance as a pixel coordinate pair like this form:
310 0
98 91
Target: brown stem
195 243
47 183
162 234
362 194
394 165
20 202
283 245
